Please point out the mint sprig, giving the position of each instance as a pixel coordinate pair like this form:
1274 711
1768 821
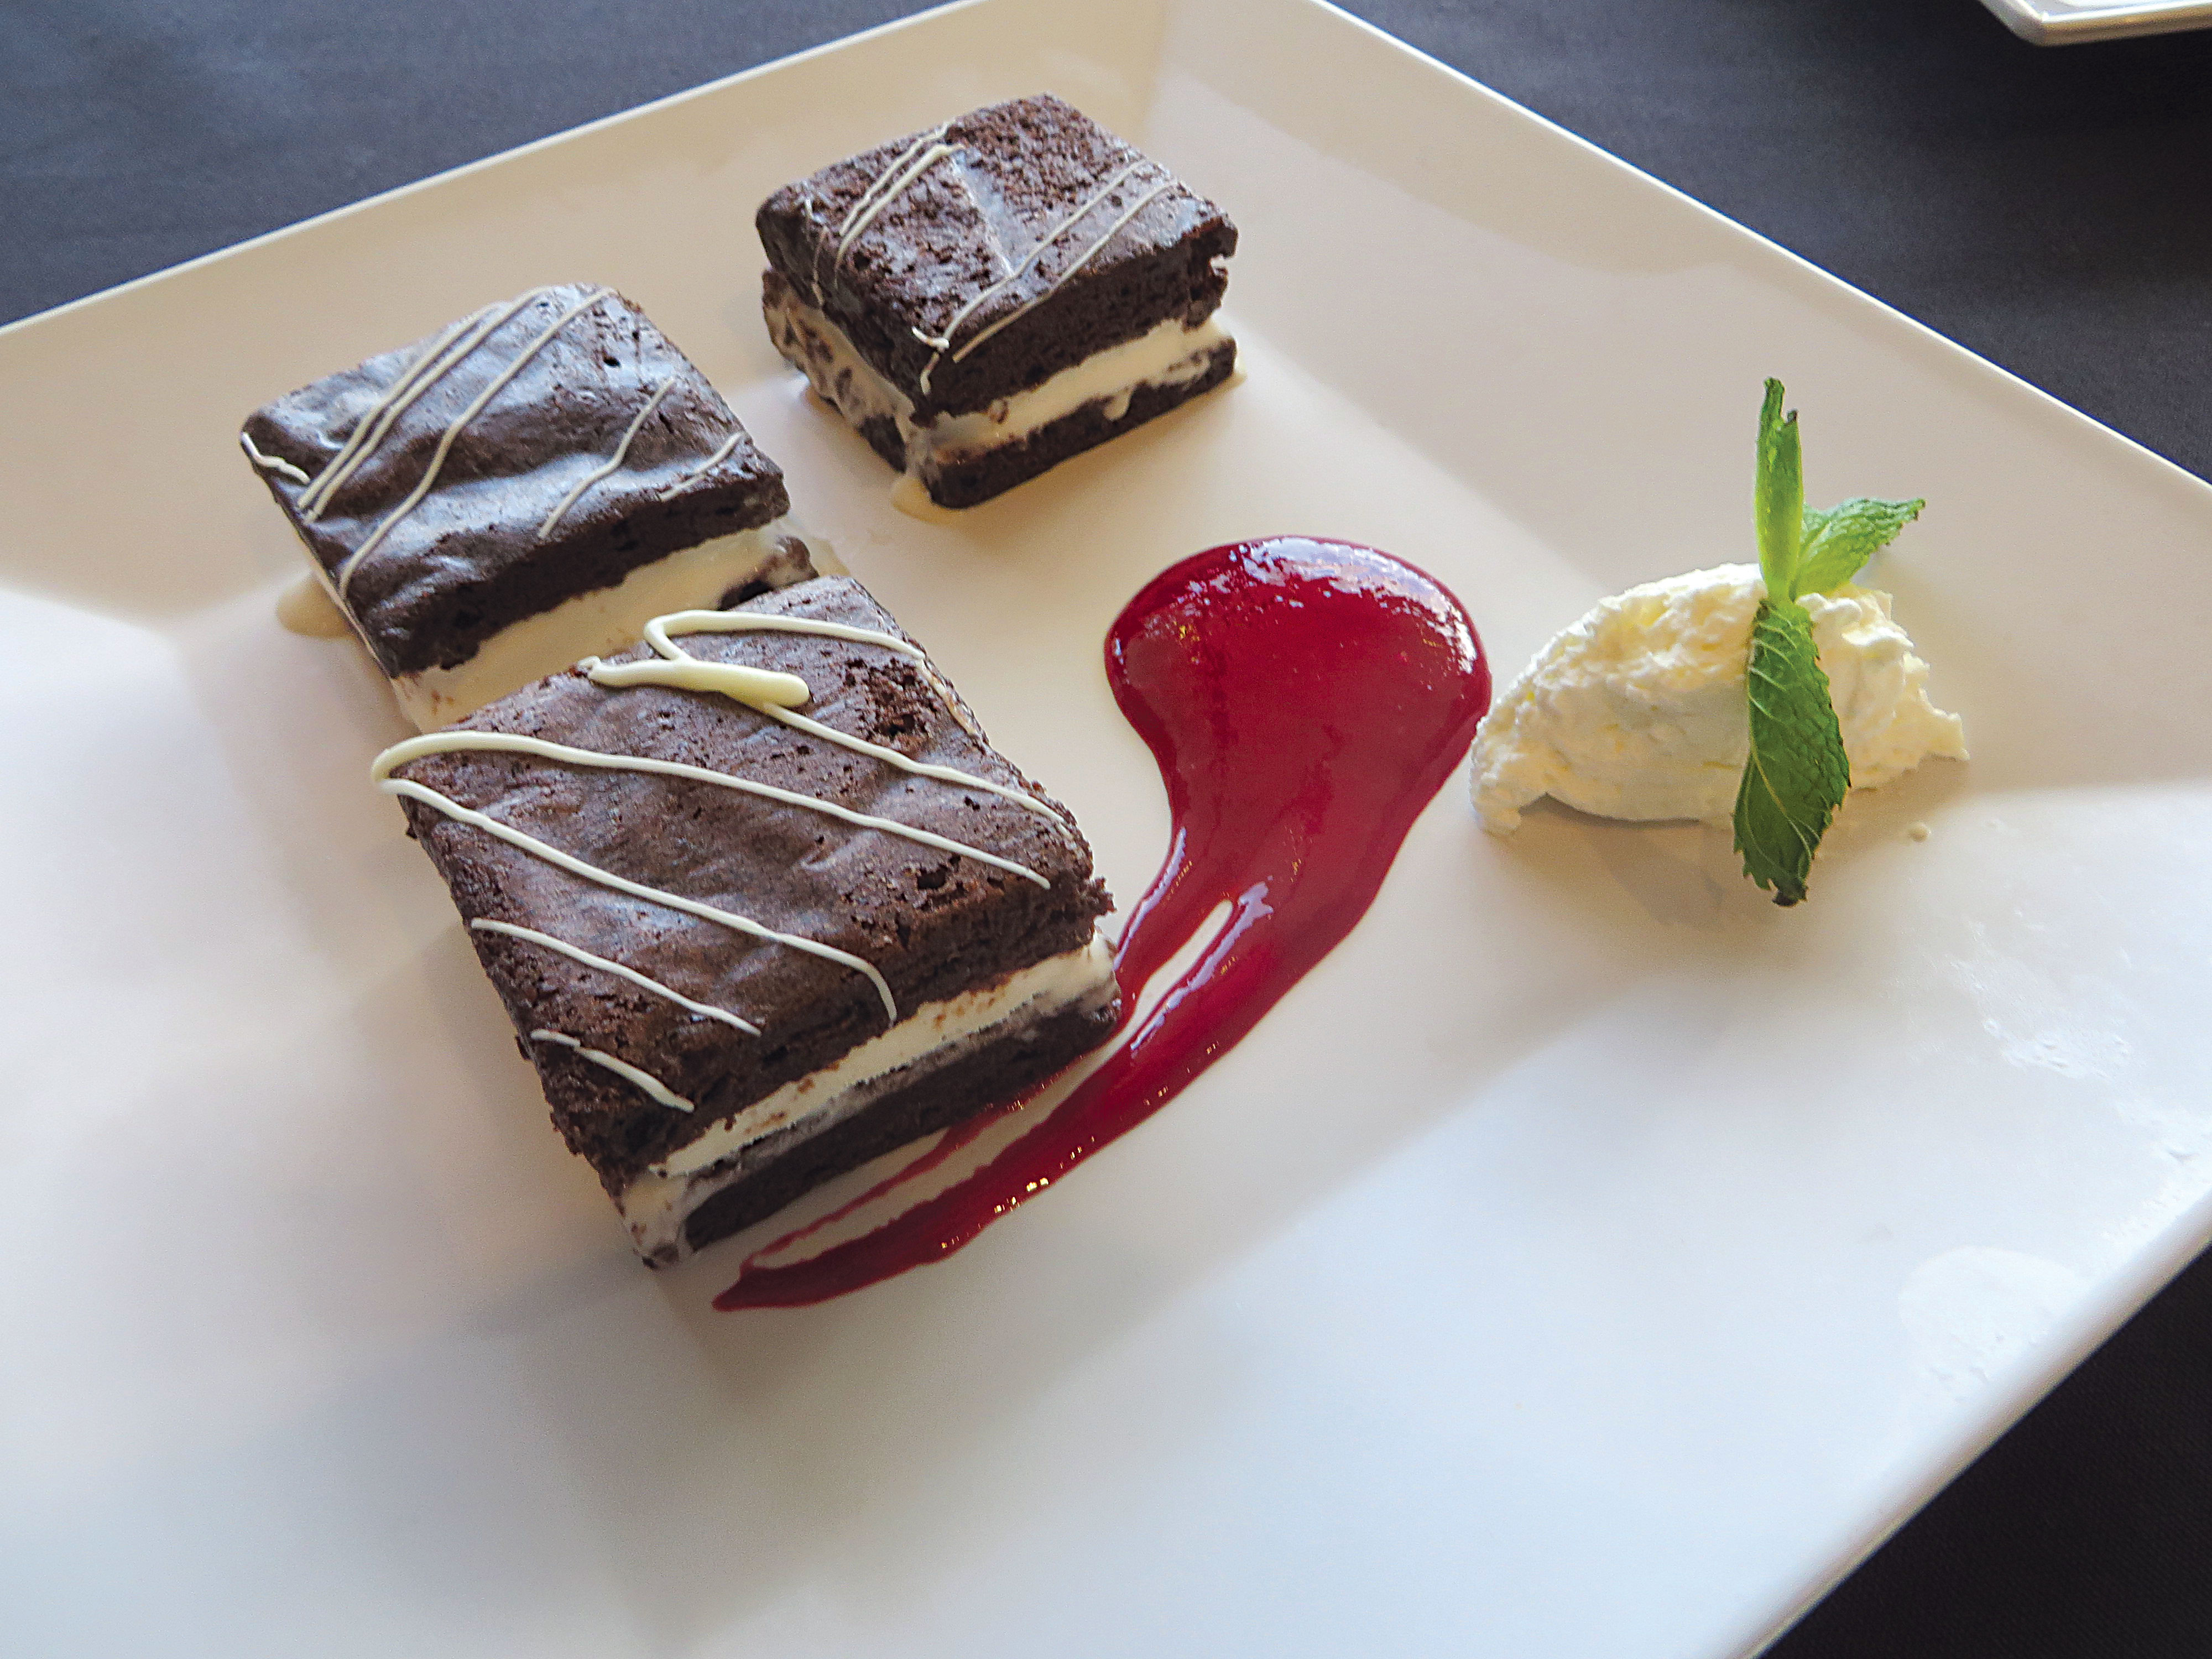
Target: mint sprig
1796 774
1838 542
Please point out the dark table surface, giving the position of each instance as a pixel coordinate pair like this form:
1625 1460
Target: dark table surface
2051 209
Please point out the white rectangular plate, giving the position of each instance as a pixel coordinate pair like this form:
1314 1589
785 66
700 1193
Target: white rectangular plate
1589 1258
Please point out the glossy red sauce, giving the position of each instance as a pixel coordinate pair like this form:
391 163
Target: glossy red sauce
1304 701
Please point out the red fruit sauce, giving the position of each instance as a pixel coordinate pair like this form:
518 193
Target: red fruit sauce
1305 700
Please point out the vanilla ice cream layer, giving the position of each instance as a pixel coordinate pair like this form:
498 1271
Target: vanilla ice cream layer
1169 355
609 619
656 1203
1638 711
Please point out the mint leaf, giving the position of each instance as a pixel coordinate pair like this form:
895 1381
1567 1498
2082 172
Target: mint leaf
1838 542
1796 774
1778 496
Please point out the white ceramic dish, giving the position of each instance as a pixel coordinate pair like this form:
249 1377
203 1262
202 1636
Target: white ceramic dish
2064 23
1588 1259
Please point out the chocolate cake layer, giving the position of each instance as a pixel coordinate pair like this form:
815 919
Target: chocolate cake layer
541 449
982 261
625 933
983 1075
965 478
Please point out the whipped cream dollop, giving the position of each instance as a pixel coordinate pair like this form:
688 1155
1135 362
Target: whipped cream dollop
1638 711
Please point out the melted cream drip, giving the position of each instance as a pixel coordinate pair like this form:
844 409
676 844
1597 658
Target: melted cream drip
661 1093
910 495
307 608
272 462
612 465
446 443
644 981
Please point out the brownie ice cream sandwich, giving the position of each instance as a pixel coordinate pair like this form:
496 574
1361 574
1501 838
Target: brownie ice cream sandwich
983 299
762 902
526 487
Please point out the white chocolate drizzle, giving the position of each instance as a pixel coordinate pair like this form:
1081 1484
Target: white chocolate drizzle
705 467
941 344
678 668
756 688
753 622
591 873
418 378
909 165
429 478
514 742
458 341
905 169
272 462
675 664
645 981
1035 253
906 763
661 1094
612 465
1068 269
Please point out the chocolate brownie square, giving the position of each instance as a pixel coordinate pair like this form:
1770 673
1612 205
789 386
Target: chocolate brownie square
762 902
986 299
527 485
